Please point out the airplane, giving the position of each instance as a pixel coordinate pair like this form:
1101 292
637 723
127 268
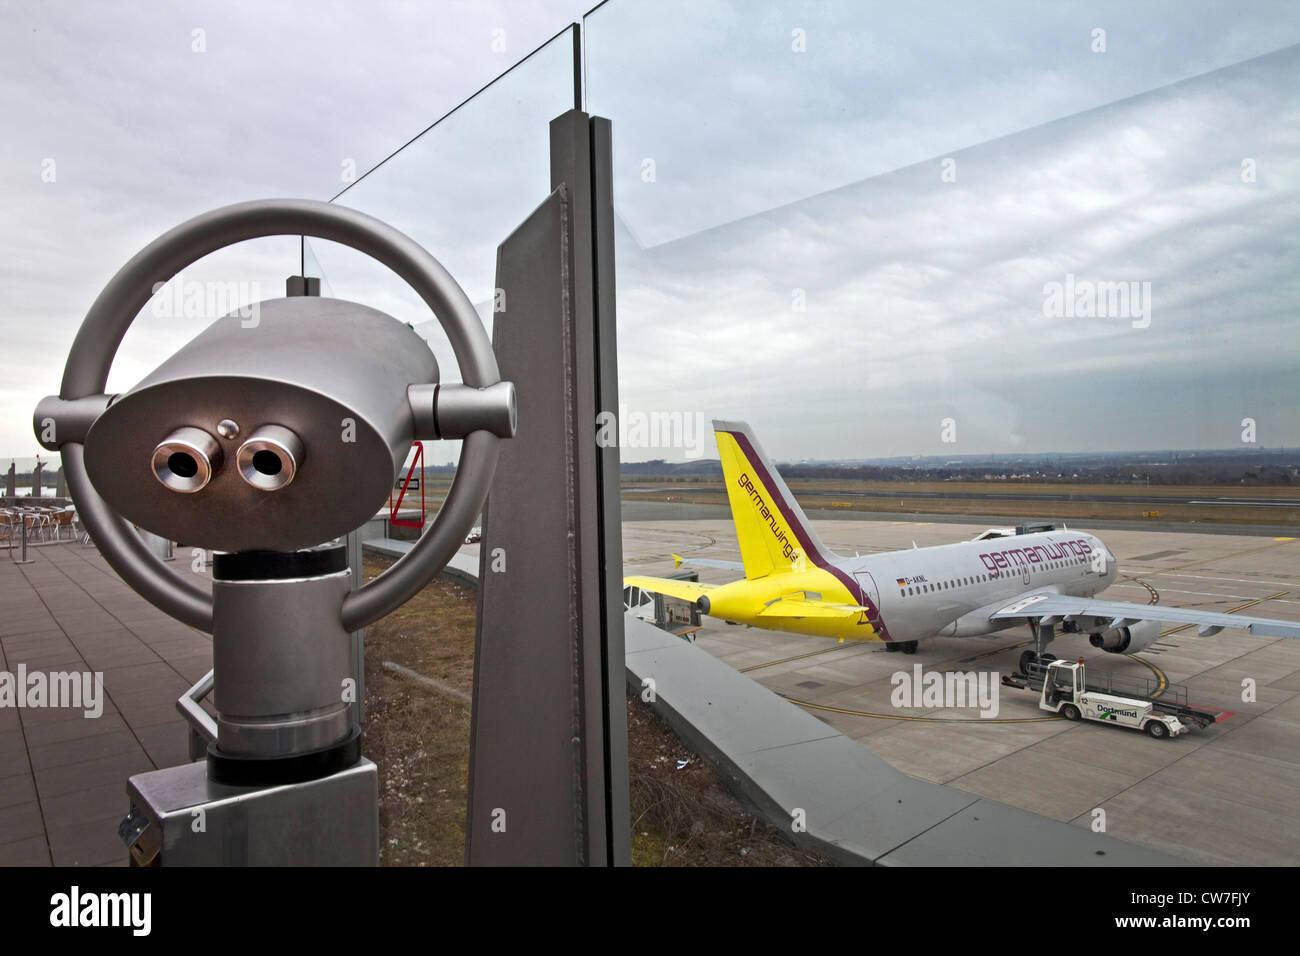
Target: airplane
793 582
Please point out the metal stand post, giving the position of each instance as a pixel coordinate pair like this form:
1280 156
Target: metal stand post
22 523
283 750
548 778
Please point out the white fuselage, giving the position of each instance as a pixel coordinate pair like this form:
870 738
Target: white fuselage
949 590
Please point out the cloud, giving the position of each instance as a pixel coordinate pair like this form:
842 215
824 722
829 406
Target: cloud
776 171
145 133
925 298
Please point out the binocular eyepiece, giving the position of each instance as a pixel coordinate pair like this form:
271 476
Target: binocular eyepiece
186 460
270 458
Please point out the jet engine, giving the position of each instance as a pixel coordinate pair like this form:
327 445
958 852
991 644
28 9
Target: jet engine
1126 640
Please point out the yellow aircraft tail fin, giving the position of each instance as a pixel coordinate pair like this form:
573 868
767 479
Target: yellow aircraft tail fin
773 532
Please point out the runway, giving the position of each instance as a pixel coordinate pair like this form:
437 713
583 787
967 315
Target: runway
1228 794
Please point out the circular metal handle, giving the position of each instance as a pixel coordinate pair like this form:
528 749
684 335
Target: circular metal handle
112 313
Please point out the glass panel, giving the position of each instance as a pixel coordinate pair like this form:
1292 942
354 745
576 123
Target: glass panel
956 229
229 279
459 189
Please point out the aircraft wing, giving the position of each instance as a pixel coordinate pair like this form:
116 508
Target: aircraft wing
797 606
1124 613
678 561
686 590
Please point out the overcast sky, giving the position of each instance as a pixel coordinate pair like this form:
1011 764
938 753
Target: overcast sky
145 132
820 173
794 248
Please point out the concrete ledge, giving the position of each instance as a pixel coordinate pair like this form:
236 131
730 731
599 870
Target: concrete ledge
463 568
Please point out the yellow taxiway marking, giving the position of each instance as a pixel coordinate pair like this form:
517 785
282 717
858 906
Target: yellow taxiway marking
1160 675
798 657
1155 595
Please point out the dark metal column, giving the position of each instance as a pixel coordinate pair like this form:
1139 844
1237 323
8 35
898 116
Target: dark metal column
609 510
548 751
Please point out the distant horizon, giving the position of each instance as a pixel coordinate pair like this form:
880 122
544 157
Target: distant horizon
53 457
1244 451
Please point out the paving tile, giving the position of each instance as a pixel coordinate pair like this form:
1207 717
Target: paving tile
53 733
13 762
79 750
34 638
28 624
21 820
107 659
42 716
31 851
63 659
89 843
163 690
86 623
180 645
106 628
106 801
56 781
15 790
166 744
141 715
137 678
193 670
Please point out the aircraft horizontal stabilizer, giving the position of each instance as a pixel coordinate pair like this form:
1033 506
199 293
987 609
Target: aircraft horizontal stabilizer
793 607
686 590
678 561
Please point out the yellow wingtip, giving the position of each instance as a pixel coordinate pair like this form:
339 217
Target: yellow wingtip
677 560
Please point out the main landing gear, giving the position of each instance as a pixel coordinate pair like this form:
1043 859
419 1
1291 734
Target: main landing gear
907 647
1044 634
1029 657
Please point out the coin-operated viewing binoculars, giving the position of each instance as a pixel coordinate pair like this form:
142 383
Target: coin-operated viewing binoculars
272 432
